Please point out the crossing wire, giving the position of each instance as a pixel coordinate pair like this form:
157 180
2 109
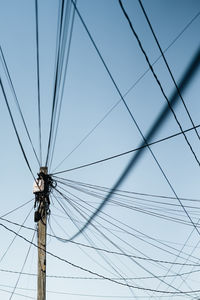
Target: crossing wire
114 244
119 227
186 78
57 101
95 278
168 67
55 86
97 274
17 102
25 260
158 82
130 89
38 79
64 79
126 152
15 129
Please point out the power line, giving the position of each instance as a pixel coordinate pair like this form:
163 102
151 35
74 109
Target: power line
11 243
16 132
82 213
15 209
122 195
127 152
25 260
130 89
55 85
61 58
97 274
158 82
17 102
168 68
64 79
96 278
157 124
129 233
121 223
38 79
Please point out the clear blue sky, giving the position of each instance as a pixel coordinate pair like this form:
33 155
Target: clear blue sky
88 96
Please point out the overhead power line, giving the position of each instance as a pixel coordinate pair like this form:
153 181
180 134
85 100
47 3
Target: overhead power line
17 102
168 67
15 129
126 152
158 82
157 124
38 79
100 275
97 278
130 89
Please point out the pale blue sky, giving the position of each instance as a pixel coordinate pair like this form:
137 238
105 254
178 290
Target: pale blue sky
89 94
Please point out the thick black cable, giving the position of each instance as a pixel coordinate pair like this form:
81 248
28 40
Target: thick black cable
169 107
129 233
55 86
16 132
107 237
95 273
139 257
115 245
38 79
17 102
168 67
127 198
62 64
128 91
126 152
87 246
157 124
120 192
64 79
148 211
158 82
109 263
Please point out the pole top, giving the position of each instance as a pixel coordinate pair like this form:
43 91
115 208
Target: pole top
44 170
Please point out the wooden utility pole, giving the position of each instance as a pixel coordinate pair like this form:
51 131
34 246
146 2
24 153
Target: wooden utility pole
42 243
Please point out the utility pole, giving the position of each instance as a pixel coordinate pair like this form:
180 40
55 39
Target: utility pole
43 206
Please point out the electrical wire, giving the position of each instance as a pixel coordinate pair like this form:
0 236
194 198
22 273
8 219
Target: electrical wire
124 193
95 278
119 227
17 102
168 67
63 86
38 79
119 248
126 152
15 209
130 89
15 129
55 86
128 232
25 260
157 124
158 82
97 274
61 61
11 243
